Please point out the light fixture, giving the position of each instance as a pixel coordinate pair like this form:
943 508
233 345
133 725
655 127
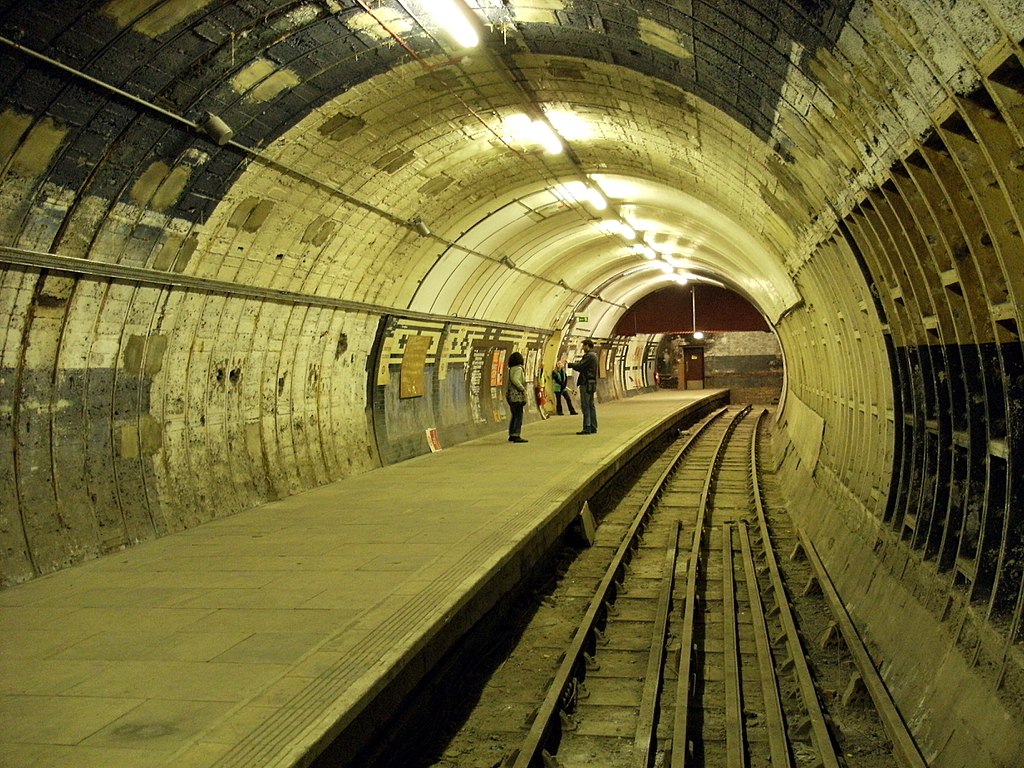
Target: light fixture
522 130
616 227
693 296
578 192
675 260
217 129
420 226
569 125
451 15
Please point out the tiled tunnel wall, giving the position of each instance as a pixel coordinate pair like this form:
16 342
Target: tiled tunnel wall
448 378
940 542
191 328
260 401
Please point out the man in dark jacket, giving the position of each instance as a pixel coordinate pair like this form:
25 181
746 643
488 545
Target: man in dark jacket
586 366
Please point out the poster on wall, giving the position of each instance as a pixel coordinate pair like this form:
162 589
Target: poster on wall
486 374
481 372
414 364
634 363
498 368
498 384
433 440
533 361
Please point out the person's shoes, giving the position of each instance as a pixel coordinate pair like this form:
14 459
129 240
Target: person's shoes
584 432
518 439
511 439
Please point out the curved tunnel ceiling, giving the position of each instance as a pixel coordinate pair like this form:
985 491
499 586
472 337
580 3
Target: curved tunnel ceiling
229 226
680 169
720 134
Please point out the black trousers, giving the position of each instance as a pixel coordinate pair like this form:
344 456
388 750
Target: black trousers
568 401
515 424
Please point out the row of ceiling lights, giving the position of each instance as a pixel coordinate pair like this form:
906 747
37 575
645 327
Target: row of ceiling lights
537 135
531 134
671 263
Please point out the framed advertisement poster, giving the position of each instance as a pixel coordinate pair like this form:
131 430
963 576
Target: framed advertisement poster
414 365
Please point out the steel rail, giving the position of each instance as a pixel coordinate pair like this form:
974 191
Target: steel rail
819 727
735 741
680 744
646 725
775 722
904 747
774 719
673 464
545 730
680 725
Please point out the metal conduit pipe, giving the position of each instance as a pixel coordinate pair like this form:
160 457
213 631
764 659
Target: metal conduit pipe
415 225
73 265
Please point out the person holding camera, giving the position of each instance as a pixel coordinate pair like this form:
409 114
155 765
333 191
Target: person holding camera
587 368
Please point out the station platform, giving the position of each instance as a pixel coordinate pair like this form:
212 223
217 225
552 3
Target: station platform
257 639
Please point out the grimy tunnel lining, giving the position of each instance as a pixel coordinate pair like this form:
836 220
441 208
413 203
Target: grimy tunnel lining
194 326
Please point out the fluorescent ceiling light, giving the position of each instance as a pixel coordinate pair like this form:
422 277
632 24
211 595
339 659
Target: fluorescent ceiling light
521 130
596 199
616 227
450 15
578 192
569 125
676 260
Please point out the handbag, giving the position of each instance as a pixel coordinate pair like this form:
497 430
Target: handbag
513 395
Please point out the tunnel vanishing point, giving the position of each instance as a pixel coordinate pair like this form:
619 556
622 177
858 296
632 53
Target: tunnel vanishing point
227 225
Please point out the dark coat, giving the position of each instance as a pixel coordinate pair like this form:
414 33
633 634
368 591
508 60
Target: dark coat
586 366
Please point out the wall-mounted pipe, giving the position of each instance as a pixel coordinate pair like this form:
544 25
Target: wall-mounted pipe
119 272
220 133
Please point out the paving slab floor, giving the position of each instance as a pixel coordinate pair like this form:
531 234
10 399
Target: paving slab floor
249 640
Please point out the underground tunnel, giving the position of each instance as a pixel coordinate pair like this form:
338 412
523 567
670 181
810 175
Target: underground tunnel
227 225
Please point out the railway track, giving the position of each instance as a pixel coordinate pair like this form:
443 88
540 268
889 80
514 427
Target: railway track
686 650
